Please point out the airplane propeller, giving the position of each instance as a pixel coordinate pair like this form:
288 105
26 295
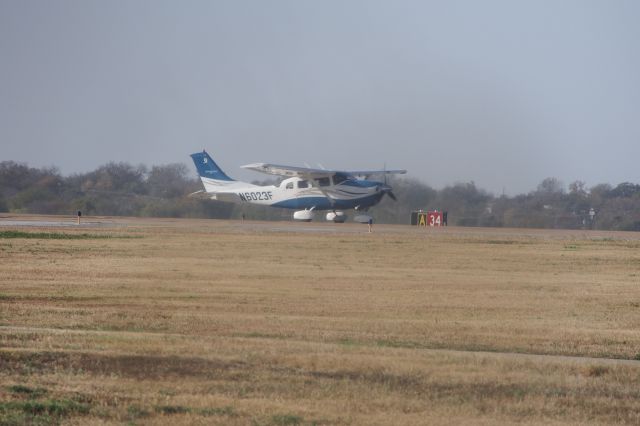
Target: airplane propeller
387 190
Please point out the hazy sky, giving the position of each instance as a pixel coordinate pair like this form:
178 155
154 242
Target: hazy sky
502 93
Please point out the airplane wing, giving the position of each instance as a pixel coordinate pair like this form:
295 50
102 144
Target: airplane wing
276 169
306 172
375 172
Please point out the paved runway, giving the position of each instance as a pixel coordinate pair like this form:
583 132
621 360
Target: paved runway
71 223
318 227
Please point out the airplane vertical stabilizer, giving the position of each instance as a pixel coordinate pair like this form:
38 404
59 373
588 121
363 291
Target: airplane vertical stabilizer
213 178
207 168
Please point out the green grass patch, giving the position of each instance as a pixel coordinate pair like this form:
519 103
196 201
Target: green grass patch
27 391
399 344
256 335
60 235
346 341
39 412
504 242
286 419
218 411
136 412
596 371
173 409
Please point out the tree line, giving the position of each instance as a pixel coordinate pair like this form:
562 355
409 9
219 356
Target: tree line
122 189
550 205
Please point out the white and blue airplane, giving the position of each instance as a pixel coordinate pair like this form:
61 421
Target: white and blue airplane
304 189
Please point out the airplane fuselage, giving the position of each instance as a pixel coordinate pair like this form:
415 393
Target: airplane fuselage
297 193
304 189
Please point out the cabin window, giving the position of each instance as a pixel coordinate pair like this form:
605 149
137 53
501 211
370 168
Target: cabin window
324 181
303 184
289 185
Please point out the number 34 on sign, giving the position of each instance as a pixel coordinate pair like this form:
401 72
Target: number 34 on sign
430 219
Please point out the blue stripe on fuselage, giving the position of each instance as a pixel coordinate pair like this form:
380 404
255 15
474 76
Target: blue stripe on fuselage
323 203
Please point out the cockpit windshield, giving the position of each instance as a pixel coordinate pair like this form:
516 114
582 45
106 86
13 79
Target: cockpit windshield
338 178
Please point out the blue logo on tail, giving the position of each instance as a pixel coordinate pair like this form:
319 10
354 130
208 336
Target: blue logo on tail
207 167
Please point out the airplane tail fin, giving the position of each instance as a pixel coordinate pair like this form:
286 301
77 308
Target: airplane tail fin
207 168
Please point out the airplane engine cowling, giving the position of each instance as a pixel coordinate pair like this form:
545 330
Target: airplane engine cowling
303 215
337 217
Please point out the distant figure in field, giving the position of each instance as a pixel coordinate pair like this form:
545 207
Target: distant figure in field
370 223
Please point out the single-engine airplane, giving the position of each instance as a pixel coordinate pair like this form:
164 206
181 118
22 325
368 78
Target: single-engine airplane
305 189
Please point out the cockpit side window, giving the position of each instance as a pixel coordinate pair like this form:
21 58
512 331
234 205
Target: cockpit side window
323 181
303 184
289 185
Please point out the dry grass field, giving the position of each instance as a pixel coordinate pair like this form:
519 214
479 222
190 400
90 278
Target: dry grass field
214 322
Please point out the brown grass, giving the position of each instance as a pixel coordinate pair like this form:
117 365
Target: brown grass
201 322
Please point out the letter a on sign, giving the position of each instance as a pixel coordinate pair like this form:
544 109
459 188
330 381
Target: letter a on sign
423 220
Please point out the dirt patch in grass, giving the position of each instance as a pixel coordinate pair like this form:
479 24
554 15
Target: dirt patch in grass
135 366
